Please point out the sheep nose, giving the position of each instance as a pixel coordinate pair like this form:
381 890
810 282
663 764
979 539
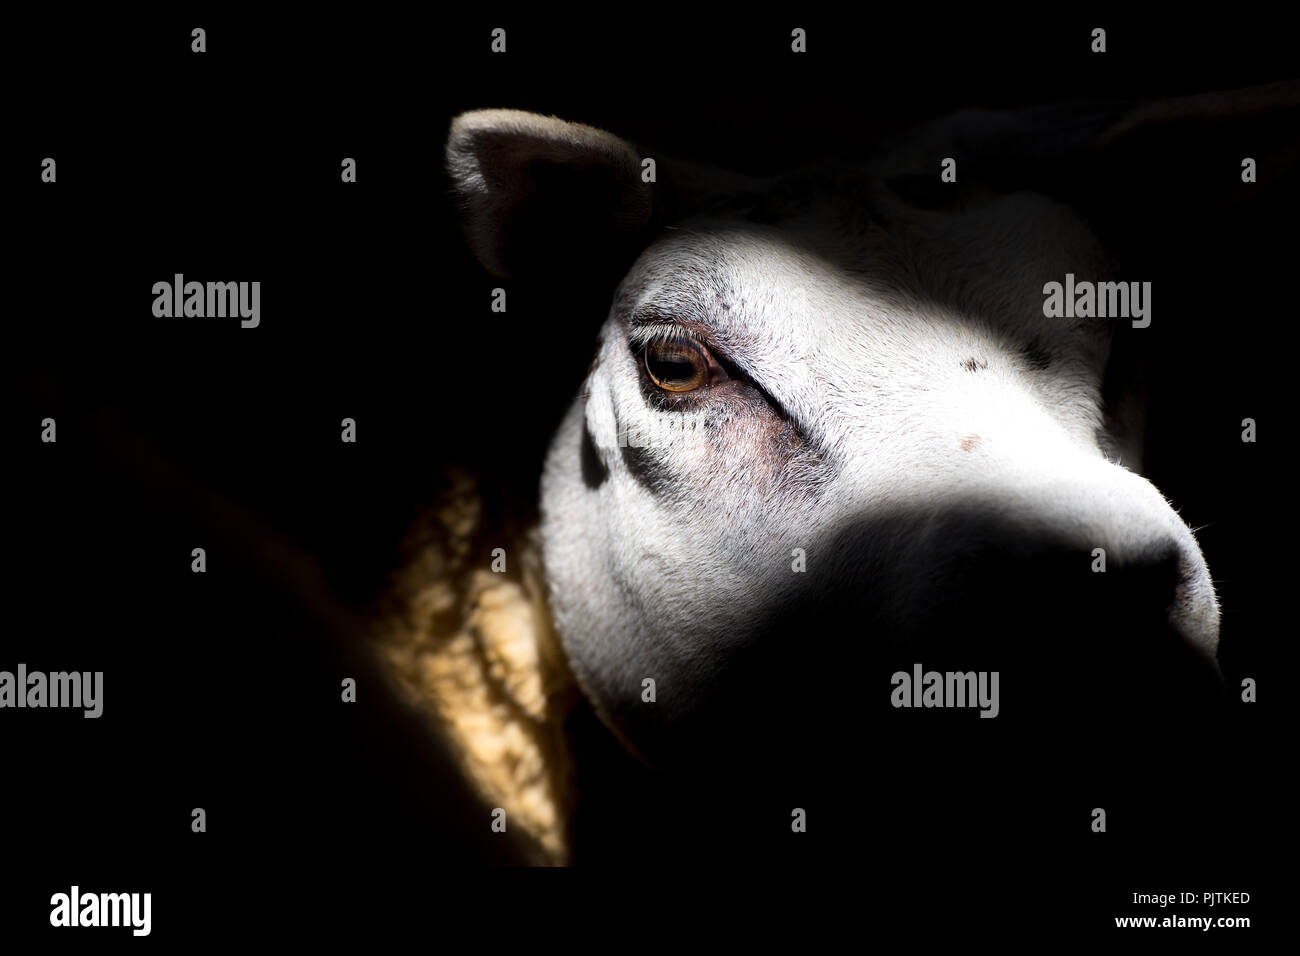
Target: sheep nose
1118 626
1085 594
1050 585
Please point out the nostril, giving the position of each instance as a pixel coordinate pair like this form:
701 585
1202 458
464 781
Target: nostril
1138 590
1116 631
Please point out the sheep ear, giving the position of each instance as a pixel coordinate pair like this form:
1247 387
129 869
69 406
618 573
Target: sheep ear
1086 151
1274 103
539 195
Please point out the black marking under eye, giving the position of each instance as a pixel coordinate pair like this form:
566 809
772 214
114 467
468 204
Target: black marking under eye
594 471
647 467
1036 357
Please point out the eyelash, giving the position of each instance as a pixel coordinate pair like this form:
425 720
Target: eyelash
643 337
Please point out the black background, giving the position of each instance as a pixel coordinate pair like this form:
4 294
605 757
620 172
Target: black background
221 690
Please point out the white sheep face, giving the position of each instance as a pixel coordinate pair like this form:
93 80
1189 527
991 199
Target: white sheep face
845 428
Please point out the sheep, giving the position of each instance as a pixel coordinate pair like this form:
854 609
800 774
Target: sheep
853 383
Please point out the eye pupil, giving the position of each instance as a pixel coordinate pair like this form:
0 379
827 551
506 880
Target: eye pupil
673 370
676 367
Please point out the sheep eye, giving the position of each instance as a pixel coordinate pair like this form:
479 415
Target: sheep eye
678 365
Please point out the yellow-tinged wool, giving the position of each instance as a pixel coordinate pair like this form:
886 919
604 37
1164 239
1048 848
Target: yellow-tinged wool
474 650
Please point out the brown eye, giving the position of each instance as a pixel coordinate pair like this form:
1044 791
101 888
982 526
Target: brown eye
677 365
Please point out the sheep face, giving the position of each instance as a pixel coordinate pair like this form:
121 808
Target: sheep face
829 430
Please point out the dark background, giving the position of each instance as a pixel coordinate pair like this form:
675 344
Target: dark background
221 690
